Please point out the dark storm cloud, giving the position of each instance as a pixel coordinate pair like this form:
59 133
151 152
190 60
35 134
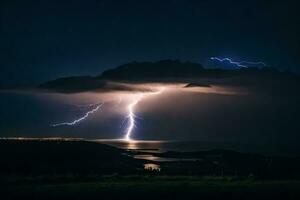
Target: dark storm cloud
42 40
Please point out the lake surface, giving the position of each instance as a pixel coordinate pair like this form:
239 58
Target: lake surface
189 146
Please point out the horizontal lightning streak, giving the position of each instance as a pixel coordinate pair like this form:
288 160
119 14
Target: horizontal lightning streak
88 105
80 119
238 64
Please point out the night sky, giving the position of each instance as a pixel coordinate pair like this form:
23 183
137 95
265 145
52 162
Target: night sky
42 40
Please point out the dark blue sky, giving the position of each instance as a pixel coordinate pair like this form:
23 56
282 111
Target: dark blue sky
42 40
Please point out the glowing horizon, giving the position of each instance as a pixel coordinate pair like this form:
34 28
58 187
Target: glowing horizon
125 103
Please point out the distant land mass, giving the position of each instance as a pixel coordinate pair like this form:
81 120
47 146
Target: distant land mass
159 69
176 69
76 83
163 71
197 85
44 157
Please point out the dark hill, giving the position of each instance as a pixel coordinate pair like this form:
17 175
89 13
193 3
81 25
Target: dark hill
165 70
171 71
160 69
72 84
62 157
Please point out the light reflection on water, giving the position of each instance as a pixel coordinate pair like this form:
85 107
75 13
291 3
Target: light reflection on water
159 146
154 158
144 145
162 159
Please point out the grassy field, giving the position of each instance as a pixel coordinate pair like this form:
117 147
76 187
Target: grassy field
85 170
155 187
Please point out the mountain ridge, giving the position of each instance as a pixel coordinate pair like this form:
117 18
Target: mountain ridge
160 71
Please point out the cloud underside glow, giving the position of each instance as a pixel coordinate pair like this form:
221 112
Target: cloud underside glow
128 102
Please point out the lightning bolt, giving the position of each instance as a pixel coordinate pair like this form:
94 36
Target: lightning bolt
81 118
87 105
131 117
243 64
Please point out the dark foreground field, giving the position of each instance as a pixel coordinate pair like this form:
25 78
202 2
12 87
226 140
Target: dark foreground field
60 169
160 187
